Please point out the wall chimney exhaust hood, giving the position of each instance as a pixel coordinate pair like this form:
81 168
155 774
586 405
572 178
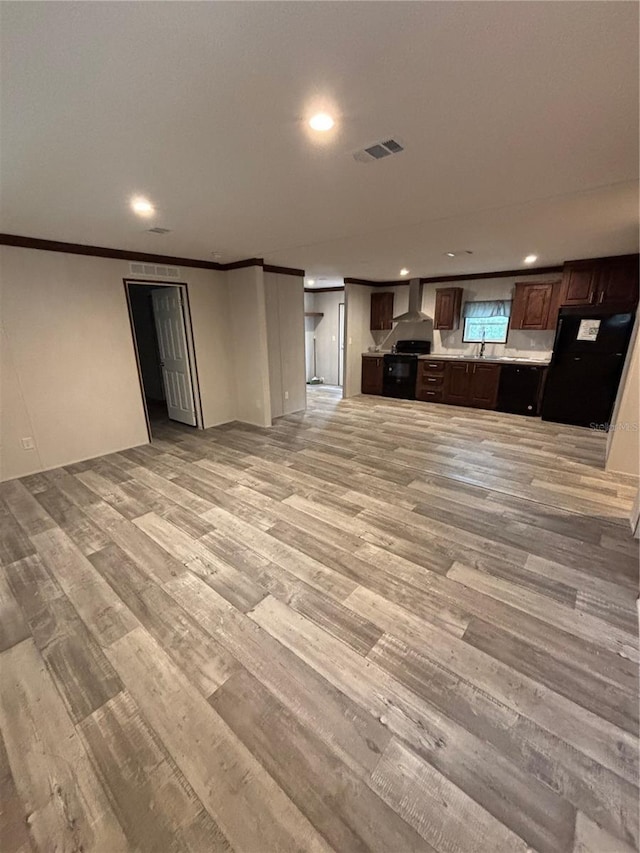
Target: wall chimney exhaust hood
415 313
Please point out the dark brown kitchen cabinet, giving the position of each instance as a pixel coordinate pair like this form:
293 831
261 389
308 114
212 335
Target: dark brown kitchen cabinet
483 391
448 304
618 282
535 306
468 383
579 282
430 382
381 311
601 281
372 372
457 383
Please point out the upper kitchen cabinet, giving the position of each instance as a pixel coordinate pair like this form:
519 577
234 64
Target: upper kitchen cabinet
618 284
448 305
579 283
381 311
535 305
601 281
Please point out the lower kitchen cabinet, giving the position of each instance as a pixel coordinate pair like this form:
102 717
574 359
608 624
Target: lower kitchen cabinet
485 379
372 373
430 384
457 383
471 383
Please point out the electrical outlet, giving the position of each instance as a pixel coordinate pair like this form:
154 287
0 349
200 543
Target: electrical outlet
286 395
27 443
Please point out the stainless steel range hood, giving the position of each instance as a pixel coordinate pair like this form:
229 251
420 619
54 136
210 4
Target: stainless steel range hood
415 313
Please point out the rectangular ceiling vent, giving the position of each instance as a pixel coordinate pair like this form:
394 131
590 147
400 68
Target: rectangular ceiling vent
154 270
378 151
159 230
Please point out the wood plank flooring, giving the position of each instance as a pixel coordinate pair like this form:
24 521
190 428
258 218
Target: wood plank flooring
378 626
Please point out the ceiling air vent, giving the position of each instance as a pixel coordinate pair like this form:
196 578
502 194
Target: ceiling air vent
159 230
154 270
378 150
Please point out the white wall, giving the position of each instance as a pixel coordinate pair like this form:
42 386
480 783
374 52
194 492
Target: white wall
66 327
68 371
284 301
623 440
248 351
358 336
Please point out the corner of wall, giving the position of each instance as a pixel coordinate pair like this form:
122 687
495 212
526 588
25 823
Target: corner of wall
249 352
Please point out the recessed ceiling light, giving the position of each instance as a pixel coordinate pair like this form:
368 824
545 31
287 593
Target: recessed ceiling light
450 254
404 271
142 206
321 121
531 259
311 281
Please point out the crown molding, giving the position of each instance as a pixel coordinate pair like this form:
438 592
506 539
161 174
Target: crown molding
121 254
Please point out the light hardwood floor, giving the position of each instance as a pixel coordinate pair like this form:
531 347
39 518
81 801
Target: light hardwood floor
380 625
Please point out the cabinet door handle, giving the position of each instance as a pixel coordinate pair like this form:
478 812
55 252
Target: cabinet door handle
601 297
474 368
466 368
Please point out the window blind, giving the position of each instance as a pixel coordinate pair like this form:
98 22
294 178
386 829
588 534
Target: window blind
487 308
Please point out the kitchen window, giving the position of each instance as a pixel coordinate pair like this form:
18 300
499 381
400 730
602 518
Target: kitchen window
486 321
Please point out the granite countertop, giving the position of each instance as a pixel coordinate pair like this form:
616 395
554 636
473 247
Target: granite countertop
436 356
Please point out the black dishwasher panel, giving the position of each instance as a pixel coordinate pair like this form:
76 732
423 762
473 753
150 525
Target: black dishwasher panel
519 389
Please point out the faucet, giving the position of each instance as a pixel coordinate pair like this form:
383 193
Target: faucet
482 346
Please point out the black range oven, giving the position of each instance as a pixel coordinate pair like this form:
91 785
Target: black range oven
401 369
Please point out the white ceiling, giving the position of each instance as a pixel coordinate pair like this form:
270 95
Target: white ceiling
520 122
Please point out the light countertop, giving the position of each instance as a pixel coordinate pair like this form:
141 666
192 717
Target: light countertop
436 356
493 359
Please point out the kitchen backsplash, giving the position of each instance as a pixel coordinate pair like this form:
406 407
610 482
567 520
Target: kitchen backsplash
519 344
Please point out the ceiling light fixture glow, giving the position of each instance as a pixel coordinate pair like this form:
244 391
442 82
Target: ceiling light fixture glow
531 259
450 254
311 281
404 271
142 206
321 122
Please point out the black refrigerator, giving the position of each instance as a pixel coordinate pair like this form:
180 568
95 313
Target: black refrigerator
585 369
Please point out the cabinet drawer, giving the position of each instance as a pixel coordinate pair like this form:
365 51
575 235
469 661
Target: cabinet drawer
429 380
432 366
430 395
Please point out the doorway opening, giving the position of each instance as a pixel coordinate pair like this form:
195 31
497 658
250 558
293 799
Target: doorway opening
163 343
325 337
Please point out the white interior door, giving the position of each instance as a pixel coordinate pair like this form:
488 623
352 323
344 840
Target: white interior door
174 356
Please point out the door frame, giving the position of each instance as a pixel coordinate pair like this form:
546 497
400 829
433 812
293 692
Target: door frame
341 342
191 352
